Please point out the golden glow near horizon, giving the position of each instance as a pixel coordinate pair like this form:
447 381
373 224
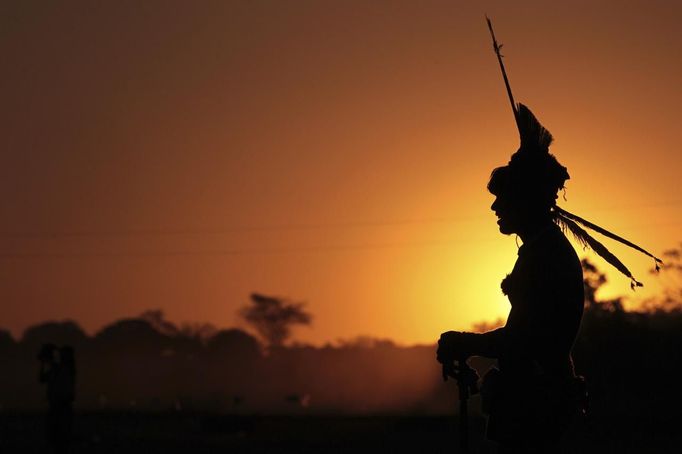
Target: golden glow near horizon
330 152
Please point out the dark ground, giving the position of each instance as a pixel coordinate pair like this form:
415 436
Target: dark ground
122 432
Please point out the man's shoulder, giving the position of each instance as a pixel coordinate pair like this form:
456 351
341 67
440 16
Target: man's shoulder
553 250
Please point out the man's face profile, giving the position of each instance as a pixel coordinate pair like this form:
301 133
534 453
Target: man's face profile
504 209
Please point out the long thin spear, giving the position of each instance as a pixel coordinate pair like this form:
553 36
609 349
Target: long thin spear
497 48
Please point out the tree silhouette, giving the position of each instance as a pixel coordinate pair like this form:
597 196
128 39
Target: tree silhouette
670 300
132 335
183 335
157 319
593 280
273 317
6 341
234 342
64 332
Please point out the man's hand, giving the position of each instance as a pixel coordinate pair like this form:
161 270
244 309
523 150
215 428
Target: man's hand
455 345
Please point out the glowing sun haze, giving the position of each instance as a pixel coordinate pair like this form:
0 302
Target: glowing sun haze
181 155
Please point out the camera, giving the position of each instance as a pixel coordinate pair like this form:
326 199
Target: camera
46 352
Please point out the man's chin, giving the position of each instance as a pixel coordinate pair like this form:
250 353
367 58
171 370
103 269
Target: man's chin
505 229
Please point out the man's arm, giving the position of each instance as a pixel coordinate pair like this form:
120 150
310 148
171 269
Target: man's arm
455 344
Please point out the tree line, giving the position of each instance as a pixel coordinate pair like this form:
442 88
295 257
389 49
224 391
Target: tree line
146 363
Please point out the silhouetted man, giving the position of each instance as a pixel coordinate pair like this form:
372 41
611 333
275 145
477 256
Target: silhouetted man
530 398
534 394
59 377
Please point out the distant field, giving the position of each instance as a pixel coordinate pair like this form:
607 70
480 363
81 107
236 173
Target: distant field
211 433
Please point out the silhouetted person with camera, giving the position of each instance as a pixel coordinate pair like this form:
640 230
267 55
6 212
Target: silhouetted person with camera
59 377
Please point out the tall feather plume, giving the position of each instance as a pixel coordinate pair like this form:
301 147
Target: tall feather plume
606 233
534 136
589 242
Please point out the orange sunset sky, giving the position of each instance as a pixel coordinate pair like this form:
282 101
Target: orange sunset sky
181 155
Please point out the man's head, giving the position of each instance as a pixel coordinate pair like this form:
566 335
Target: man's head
526 190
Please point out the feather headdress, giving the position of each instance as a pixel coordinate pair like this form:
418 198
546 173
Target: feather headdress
534 137
540 177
